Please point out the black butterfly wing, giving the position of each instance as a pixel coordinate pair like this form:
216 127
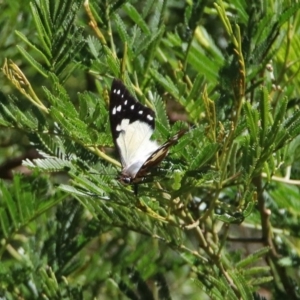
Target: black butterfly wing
158 155
124 106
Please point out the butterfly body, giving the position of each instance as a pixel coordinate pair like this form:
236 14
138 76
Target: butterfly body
132 125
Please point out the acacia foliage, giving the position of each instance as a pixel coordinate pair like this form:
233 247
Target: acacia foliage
219 219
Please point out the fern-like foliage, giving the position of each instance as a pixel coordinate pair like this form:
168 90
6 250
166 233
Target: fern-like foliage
220 212
59 39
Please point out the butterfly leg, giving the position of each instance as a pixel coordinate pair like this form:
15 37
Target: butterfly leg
135 189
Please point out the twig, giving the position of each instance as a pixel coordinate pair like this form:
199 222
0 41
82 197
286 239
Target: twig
244 240
283 179
93 22
272 258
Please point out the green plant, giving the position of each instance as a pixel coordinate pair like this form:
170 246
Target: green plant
219 219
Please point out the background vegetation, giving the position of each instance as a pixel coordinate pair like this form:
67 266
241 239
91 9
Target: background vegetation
220 219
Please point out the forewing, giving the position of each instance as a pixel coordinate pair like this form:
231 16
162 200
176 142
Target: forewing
132 124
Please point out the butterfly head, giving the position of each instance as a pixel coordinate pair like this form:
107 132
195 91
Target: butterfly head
127 179
124 179
132 173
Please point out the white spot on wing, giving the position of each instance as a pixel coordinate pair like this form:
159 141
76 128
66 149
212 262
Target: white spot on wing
115 91
123 126
118 92
140 112
119 108
114 111
149 117
132 106
125 103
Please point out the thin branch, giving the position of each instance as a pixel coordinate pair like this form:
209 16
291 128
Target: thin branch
93 23
244 240
282 179
267 238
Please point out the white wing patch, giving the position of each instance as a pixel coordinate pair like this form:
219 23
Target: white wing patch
123 125
135 145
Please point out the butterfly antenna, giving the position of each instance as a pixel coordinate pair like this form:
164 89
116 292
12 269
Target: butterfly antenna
98 173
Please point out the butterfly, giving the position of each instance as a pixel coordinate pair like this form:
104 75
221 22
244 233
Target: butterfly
132 125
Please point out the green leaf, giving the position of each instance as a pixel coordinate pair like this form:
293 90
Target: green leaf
204 155
33 62
264 111
250 259
252 121
35 47
241 284
136 17
42 33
